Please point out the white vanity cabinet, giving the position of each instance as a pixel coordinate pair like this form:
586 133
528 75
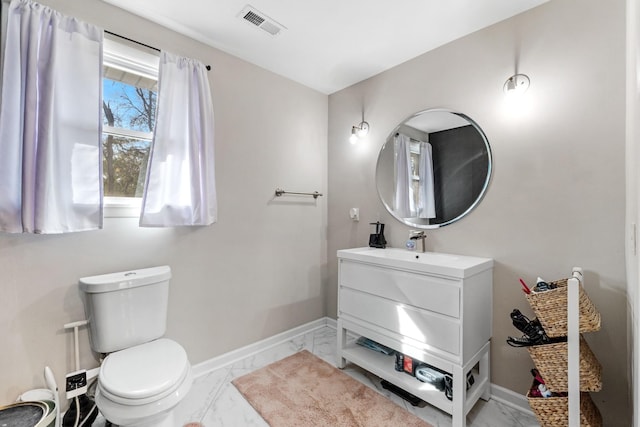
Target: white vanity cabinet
433 307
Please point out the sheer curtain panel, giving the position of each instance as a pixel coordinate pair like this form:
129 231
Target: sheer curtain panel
426 194
180 185
50 122
403 203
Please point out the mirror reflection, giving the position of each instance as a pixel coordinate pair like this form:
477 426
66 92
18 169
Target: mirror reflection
433 168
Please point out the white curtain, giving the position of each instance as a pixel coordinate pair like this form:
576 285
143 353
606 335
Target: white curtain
403 204
50 123
180 185
426 196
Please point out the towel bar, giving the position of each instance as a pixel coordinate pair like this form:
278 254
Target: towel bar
280 192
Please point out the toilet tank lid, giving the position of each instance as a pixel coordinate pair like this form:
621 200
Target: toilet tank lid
125 279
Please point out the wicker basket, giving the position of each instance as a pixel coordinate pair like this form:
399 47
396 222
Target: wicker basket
551 361
554 411
551 309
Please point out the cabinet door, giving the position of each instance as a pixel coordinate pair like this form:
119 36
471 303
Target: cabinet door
437 294
434 330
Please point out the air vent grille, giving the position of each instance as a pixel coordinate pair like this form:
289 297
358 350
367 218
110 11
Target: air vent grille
270 28
253 16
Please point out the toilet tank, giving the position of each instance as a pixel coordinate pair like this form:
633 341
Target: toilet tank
125 309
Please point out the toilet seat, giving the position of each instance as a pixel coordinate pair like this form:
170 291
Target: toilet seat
145 373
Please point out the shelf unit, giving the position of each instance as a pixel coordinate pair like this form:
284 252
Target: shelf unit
577 304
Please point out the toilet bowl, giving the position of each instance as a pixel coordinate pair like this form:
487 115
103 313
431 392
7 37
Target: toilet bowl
143 376
141 385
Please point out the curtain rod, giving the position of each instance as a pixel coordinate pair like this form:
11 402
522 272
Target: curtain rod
139 43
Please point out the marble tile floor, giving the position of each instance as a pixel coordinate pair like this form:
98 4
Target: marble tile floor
214 402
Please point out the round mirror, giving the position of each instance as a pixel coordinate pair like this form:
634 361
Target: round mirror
433 169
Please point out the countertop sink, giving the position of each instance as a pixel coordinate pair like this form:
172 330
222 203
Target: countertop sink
428 262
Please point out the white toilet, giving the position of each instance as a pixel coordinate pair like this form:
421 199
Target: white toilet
143 376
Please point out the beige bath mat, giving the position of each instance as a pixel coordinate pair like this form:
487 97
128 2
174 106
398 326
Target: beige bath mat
304 390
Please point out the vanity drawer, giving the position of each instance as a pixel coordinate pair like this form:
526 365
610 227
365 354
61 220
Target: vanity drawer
437 294
432 329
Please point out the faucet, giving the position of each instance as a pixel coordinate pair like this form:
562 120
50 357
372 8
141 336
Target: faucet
415 235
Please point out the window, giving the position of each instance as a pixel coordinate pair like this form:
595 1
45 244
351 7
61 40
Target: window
130 84
414 152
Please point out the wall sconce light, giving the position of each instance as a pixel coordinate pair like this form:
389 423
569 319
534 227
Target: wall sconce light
359 131
516 85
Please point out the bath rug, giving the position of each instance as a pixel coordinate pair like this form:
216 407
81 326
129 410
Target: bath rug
304 390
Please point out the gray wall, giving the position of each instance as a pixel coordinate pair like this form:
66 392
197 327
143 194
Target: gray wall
255 273
556 198
557 195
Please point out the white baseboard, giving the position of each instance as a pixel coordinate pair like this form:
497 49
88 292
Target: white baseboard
332 323
498 393
510 398
251 349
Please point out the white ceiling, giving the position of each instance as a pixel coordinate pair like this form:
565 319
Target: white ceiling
328 44
435 121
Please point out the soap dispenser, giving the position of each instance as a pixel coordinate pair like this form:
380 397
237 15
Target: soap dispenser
377 240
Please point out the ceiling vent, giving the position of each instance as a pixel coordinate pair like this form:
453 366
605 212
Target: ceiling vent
256 18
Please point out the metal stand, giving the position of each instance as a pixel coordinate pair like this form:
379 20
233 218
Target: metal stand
573 343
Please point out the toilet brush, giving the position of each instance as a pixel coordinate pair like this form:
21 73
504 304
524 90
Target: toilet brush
50 380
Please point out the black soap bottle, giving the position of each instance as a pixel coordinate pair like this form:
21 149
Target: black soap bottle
377 240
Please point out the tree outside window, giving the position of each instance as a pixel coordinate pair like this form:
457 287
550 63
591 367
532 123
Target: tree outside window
129 106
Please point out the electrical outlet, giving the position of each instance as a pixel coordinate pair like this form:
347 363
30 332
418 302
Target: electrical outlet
76 383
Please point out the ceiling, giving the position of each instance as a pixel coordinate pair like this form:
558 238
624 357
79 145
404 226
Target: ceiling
436 120
327 44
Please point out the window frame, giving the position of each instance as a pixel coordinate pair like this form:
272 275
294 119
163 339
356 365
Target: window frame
136 60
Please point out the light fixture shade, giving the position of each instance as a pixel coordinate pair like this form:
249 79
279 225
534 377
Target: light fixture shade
363 129
354 135
359 131
516 84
